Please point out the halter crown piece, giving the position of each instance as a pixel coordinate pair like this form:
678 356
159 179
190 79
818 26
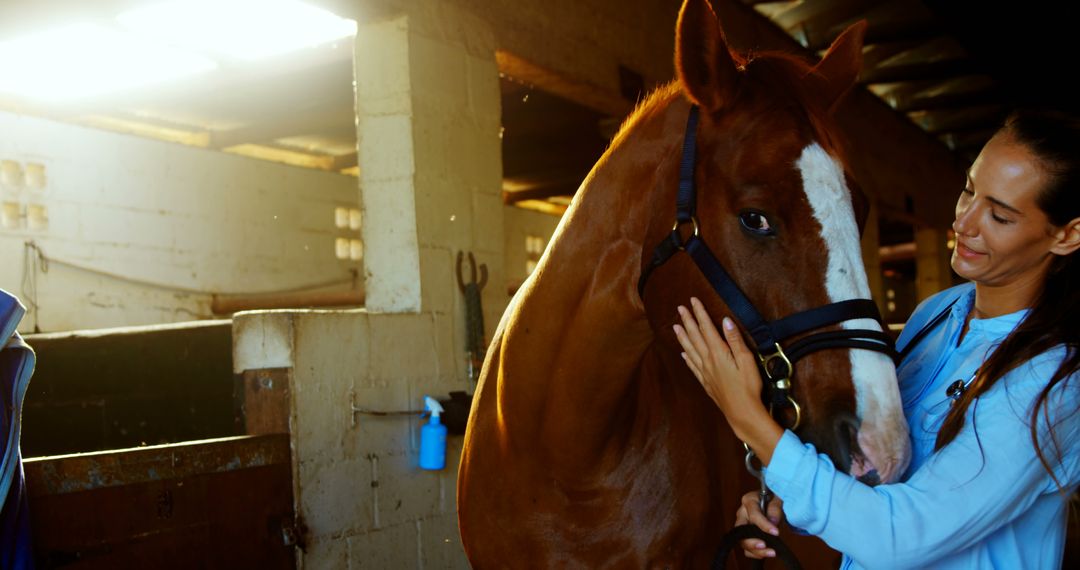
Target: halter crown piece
776 361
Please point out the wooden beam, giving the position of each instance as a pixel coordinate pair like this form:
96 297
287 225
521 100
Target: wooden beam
587 94
345 161
816 18
274 128
539 189
975 118
989 96
875 54
895 20
930 70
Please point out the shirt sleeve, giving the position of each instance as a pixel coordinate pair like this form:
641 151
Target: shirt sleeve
978 483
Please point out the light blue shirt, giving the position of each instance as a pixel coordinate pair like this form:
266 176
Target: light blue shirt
984 500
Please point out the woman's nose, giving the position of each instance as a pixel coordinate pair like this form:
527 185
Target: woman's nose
965 220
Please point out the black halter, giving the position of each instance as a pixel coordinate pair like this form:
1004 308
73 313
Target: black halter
766 335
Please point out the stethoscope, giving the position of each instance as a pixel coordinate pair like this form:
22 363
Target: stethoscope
955 390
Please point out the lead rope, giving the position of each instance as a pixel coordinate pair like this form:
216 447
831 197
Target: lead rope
743 532
779 391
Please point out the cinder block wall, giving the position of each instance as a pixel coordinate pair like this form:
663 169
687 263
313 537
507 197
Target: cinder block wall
359 491
195 221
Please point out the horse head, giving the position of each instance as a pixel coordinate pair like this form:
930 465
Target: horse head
777 209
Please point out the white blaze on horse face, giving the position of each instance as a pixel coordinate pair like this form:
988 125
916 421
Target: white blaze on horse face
883 435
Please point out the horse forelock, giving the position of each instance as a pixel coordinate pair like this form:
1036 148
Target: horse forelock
798 86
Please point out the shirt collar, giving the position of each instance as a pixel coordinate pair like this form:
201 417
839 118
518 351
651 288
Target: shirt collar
997 326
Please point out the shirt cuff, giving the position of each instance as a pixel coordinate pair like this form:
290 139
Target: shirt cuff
782 473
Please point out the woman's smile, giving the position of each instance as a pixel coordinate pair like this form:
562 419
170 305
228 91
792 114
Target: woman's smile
966 252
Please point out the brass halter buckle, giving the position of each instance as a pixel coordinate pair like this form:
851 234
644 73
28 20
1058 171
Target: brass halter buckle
778 358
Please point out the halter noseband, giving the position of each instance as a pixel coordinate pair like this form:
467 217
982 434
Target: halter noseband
776 362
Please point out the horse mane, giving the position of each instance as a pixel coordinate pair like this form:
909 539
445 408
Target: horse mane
647 107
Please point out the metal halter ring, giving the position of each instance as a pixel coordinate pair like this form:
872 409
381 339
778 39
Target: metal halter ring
798 412
693 220
767 361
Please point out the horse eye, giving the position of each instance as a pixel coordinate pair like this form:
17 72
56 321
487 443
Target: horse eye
756 222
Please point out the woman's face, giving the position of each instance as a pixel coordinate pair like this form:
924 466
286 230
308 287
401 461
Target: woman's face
1002 236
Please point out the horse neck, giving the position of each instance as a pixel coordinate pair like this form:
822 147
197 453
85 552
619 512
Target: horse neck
581 316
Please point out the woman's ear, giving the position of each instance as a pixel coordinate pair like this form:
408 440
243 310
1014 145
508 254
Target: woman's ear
1067 238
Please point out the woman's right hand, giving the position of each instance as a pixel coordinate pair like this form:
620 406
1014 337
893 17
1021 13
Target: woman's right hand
750 512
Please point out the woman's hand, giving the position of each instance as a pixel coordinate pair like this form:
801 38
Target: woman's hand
729 373
750 512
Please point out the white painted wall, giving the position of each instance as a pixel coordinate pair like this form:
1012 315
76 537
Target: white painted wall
140 210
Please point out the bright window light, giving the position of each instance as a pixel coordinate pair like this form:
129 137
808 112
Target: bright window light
85 59
245 29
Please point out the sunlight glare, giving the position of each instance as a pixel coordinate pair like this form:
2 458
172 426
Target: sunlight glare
245 29
81 60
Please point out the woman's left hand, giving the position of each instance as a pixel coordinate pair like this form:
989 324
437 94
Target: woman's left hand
729 373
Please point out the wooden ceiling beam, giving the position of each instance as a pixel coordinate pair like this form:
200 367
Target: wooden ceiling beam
814 19
875 54
583 93
941 101
278 127
511 197
946 121
893 20
930 70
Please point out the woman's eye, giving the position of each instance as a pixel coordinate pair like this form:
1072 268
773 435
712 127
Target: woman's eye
755 222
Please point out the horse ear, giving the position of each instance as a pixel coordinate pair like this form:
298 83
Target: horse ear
840 65
704 64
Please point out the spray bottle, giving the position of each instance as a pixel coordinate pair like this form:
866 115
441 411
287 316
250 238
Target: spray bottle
433 438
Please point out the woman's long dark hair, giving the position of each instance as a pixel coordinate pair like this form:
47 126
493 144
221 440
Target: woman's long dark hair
1055 139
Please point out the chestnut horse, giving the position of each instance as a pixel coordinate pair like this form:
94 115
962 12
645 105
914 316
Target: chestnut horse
590 444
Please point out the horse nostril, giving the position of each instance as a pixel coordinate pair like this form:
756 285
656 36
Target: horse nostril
846 433
871 478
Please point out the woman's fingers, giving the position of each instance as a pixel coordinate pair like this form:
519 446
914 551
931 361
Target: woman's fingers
705 325
750 513
775 510
739 351
755 516
752 547
699 337
690 339
690 353
690 364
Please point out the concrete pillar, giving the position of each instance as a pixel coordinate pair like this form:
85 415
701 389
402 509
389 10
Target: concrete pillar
933 271
428 120
428 130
